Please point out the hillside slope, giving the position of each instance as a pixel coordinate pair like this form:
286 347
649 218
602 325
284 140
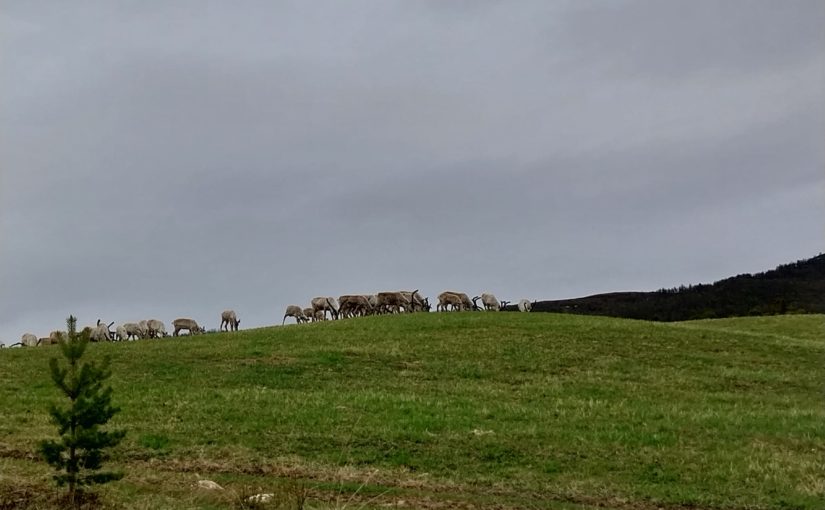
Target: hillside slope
456 410
793 288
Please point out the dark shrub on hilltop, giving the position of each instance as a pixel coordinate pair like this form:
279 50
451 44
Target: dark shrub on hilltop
798 287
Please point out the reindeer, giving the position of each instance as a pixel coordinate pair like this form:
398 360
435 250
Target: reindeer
29 340
155 328
133 330
100 332
229 320
489 301
524 305
323 304
451 299
417 303
389 302
353 305
297 312
187 324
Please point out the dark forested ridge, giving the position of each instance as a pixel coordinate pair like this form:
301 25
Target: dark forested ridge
798 287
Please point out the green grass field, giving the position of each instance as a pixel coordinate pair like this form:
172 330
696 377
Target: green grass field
452 410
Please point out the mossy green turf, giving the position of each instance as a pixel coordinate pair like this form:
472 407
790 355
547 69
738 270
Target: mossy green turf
516 408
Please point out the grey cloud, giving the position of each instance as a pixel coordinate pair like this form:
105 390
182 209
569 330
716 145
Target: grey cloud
676 38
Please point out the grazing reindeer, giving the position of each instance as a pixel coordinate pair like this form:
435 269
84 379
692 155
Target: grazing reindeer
155 328
417 303
325 303
393 302
134 329
297 312
100 332
456 300
29 340
187 324
489 301
353 305
229 320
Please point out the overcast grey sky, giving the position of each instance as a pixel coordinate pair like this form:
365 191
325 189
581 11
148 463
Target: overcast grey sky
166 159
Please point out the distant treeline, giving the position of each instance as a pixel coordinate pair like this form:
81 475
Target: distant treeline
798 287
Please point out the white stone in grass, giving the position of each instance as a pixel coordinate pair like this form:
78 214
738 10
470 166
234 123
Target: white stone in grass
261 498
209 485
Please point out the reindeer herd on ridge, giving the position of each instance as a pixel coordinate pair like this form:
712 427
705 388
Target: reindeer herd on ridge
351 305
360 305
346 306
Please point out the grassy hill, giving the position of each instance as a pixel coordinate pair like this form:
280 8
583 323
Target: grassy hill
798 287
453 410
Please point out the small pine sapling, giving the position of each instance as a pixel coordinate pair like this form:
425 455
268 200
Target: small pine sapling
79 453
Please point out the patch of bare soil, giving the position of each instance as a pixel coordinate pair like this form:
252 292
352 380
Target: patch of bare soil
402 490
11 452
20 495
14 497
